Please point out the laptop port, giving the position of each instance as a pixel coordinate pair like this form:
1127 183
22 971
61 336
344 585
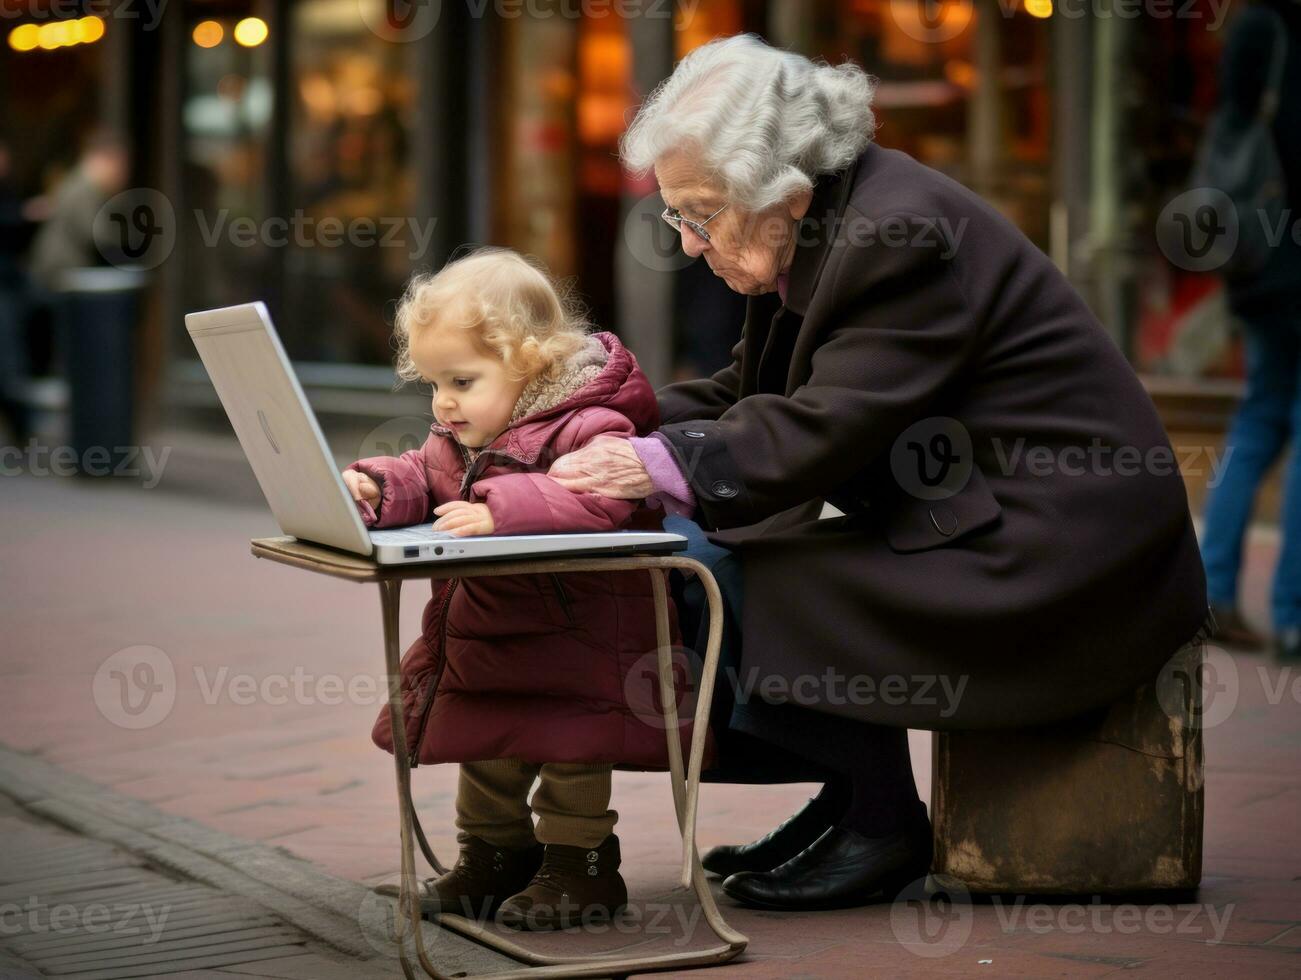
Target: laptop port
411 551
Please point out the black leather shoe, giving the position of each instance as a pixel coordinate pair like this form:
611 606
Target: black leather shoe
775 848
841 869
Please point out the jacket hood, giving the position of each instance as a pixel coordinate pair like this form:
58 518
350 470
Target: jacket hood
603 373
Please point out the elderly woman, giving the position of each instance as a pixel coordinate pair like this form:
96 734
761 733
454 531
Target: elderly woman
1009 541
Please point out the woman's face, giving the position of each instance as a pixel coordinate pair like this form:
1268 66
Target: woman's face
747 250
473 396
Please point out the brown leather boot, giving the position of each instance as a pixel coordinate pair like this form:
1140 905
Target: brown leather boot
482 878
575 886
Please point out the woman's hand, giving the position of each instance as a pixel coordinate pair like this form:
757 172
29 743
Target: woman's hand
608 465
463 519
362 487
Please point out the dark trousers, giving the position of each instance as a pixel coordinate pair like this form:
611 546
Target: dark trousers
759 742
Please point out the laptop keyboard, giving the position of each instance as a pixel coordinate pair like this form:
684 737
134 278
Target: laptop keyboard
409 535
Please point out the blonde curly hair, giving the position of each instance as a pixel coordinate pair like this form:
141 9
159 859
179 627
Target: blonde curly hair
514 310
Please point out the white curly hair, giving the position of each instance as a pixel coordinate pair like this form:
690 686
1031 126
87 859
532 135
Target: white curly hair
762 121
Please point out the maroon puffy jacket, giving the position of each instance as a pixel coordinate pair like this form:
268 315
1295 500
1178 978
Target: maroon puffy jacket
542 668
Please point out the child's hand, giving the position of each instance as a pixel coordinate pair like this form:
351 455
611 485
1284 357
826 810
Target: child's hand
361 487
462 518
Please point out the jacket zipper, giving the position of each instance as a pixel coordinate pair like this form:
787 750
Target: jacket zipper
427 704
472 469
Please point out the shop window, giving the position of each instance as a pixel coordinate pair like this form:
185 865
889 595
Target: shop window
535 190
225 120
351 185
931 76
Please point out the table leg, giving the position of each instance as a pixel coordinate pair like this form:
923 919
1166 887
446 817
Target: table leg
686 798
408 910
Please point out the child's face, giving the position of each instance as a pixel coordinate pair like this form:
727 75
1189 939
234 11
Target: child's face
473 396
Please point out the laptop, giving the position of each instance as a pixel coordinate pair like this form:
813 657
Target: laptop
283 442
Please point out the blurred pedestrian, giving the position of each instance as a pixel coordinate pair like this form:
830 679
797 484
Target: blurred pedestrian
66 239
1263 54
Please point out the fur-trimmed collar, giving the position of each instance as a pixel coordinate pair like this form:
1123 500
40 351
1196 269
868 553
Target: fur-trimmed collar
541 394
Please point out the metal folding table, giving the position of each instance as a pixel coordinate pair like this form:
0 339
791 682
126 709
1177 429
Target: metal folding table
685 780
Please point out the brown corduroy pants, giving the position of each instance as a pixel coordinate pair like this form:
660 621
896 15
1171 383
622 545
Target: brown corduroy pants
572 803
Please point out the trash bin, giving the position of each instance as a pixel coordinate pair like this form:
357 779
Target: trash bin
96 310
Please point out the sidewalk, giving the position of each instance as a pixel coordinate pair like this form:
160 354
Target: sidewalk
267 683
120 889
83 909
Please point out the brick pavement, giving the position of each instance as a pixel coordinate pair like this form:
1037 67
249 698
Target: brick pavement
90 570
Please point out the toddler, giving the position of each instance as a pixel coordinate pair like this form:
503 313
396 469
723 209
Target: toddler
522 677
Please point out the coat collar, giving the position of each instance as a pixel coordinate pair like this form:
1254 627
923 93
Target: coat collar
817 231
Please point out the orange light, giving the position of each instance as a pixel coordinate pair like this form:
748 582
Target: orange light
56 34
1039 8
24 37
250 32
207 34
960 73
90 29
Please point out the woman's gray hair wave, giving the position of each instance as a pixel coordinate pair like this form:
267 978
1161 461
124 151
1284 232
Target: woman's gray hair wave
763 121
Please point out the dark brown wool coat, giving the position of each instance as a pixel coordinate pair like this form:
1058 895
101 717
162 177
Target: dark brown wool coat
1052 581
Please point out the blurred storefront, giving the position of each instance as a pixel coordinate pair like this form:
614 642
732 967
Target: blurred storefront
1076 119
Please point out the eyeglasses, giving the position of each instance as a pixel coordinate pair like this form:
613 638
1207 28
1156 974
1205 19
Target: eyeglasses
675 218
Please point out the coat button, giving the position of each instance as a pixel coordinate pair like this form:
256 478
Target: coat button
944 520
724 488
592 855
693 434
